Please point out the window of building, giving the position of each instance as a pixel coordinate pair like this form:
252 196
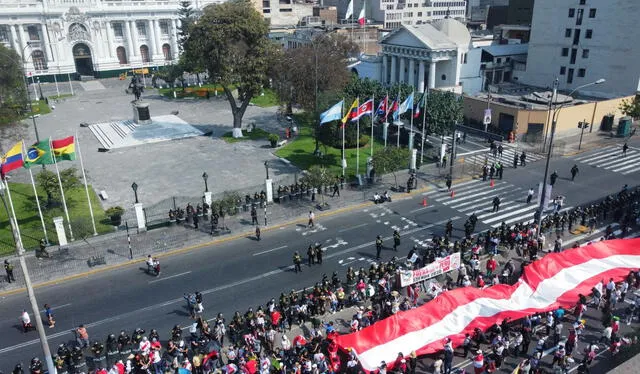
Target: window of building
266 11
582 2
166 51
122 55
39 62
570 76
4 34
117 30
563 70
572 12
574 53
499 60
588 34
567 33
465 59
592 13
142 28
419 14
579 17
410 5
582 72
286 10
144 54
576 37
585 53
565 52
164 27
34 35
444 77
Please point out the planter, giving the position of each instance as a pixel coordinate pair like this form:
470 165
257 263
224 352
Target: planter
116 220
274 144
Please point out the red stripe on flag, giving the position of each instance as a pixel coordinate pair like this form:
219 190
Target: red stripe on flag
61 143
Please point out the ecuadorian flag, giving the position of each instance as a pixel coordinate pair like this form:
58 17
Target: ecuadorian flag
64 149
12 159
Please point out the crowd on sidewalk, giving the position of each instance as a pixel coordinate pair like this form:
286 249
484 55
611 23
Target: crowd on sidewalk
248 342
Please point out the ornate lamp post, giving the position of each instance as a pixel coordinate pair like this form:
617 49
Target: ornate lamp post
266 166
134 187
205 176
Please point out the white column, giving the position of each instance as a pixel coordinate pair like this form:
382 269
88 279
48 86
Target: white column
385 69
401 75
134 37
456 67
110 38
412 72
98 42
432 75
154 42
174 38
158 37
130 53
23 39
421 76
47 43
394 64
15 43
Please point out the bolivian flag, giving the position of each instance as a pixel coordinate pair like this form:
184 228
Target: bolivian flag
64 149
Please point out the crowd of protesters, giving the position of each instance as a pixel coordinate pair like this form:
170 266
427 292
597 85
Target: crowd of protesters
247 342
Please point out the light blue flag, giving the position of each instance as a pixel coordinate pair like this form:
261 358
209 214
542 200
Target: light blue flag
333 114
407 104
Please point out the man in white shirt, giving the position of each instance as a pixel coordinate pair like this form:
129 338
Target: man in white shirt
26 320
311 217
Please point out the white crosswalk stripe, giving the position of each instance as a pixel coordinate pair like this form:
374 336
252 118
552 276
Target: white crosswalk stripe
477 197
506 159
610 158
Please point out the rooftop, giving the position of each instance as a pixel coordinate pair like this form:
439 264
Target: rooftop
497 50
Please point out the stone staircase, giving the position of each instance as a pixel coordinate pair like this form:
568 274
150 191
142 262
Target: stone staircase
110 134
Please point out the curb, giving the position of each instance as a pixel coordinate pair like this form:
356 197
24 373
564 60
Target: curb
200 245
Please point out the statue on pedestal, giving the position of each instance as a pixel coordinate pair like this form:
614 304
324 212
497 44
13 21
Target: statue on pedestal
136 87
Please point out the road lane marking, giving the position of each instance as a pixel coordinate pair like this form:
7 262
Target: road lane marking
169 277
269 250
353 227
419 209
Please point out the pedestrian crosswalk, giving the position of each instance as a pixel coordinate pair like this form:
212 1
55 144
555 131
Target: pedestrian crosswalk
611 158
477 197
384 215
509 151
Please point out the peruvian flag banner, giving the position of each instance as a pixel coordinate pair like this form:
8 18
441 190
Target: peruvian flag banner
362 18
553 281
363 109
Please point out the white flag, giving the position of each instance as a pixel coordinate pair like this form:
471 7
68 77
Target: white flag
349 13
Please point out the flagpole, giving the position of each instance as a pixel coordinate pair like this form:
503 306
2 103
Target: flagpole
399 122
343 125
64 202
373 105
386 118
424 120
35 192
13 212
411 127
86 188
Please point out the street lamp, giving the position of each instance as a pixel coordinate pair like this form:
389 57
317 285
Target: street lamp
266 166
554 121
205 176
134 187
15 230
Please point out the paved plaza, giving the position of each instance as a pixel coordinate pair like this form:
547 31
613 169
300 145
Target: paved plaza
161 170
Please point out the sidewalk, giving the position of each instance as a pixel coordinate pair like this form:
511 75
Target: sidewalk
114 248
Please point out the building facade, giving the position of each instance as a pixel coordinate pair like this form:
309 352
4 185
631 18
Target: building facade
283 12
581 41
91 37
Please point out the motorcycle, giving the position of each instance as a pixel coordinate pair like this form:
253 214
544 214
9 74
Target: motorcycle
153 267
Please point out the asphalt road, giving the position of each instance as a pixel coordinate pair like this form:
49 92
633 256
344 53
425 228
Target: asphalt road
242 273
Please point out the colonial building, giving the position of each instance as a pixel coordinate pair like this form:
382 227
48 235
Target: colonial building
91 37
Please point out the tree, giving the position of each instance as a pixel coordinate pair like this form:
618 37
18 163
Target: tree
171 73
631 108
390 160
367 88
186 16
317 176
48 181
443 111
13 98
231 42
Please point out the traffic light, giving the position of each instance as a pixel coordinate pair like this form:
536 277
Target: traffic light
583 125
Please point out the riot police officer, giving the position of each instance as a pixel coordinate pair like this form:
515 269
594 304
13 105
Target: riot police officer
449 228
112 350
396 240
378 247
297 262
124 345
553 178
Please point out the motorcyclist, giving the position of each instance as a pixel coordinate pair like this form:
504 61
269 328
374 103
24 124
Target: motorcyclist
36 366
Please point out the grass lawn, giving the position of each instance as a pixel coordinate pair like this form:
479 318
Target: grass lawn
24 203
192 91
300 151
39 107
61 96
269 99
256 134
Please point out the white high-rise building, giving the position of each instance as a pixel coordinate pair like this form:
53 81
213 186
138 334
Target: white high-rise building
581 41
92 37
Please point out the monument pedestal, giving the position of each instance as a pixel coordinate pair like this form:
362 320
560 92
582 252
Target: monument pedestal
141 114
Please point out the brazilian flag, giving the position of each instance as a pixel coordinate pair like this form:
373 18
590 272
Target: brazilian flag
39 154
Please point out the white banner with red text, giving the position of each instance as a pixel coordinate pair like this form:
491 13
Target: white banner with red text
439 266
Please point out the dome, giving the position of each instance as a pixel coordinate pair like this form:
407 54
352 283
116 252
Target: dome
455 31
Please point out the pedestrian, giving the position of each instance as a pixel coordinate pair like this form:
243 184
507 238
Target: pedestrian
311 255
336 190
496 204
448 182
529 195
523 159
499 169
196 220
396 240
8 268
318 250
49 314
515 160
311 217
574 172
257 233
500 150
26 320
254 215
82 337
297 262
378 247
624 149
553 177
466 345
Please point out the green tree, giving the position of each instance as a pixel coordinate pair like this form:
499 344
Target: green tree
13 98
48 181
367 88
390 160
631 108
187 17
230 41
171 73
318 176
443 111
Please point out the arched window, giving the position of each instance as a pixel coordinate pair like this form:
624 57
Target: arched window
144 54
39 61
122 55
166 51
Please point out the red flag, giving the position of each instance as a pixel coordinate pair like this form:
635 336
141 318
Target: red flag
362 18
555 280
363 109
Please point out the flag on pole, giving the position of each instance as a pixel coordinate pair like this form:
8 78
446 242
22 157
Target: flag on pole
362 18
395 115
364 109
349 13
334 113
382 107
12 159
421 102
39 154
406 104
64 149
349 113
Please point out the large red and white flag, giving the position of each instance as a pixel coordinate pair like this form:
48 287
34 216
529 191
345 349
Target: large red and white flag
555 280
362 18
363 109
